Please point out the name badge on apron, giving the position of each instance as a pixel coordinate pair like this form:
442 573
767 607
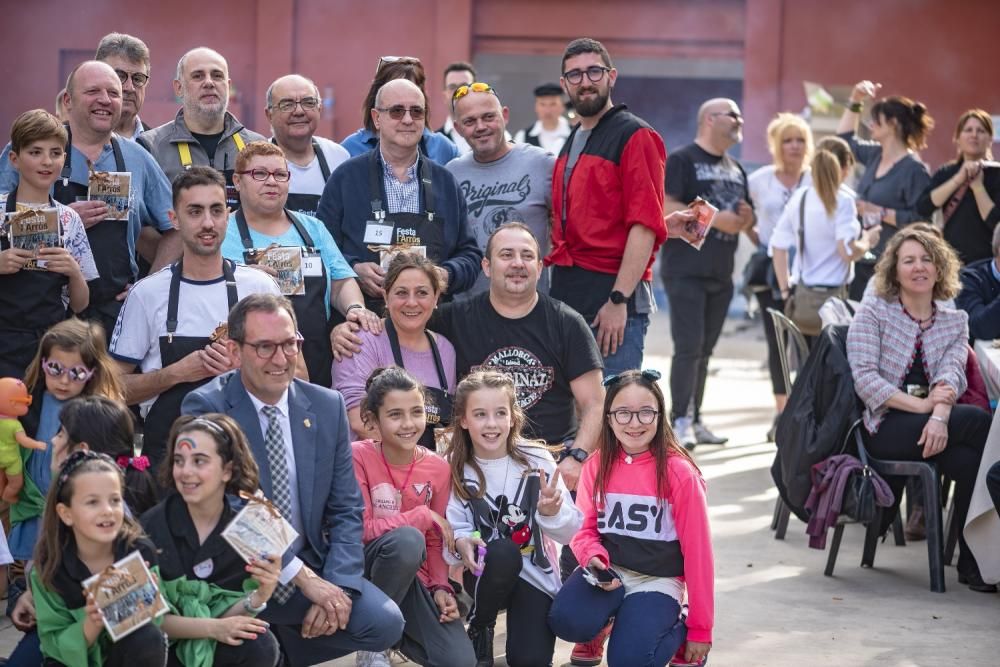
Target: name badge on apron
312 264
376 232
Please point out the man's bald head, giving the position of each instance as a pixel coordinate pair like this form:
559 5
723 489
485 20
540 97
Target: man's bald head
93 99
714 105
288 81
87 67
397 86
199 51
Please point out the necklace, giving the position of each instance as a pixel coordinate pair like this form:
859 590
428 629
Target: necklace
921 322
392 480
629 457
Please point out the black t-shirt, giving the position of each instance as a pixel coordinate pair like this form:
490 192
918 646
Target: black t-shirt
719 179
917 374
544 351
209 142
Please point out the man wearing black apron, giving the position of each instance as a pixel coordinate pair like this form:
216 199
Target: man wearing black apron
168 326
91 150
293 108
203 132
392 198
438 402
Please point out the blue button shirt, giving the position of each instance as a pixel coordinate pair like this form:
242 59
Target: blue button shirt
436 146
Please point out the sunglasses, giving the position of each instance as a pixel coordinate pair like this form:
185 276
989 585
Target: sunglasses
399 111
261 174
388 60
477 87
76 373
595 73
735 115
650 374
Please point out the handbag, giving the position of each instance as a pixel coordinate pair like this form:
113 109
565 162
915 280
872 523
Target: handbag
859 495
804 301
758 272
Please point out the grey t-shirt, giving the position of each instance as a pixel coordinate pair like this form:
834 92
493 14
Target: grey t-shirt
517 187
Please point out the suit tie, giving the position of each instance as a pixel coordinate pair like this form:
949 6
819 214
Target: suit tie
281 492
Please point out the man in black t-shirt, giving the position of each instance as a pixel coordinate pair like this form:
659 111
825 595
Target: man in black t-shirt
699 283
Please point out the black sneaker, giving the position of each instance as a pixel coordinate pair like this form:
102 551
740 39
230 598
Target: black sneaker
482 644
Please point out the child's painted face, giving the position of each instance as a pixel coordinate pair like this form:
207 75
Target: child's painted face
95 511
68 364
199 473
634 405
401 419
39 163
487 418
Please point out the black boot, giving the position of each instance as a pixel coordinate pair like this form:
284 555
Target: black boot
482 644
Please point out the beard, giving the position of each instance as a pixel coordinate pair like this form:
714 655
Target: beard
591 106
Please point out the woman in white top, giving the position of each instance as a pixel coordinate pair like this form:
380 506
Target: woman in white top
830 228
791 144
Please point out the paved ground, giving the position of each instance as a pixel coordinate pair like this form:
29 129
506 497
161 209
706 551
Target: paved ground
773 605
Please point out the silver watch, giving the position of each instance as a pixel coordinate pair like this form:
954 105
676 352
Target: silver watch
248 605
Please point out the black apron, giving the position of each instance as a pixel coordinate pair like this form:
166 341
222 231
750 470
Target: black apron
305 203
167 406
108 243
31 302
310 308
438 405
426 229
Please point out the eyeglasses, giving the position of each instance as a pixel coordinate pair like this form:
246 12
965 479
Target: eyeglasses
476 87
138 78
76 373
595 73
397 112
386 60
735 115
267 350
307 103
624 417
261 174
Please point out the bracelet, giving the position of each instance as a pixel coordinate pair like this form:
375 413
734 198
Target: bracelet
248 604
939 419
855 107
353 306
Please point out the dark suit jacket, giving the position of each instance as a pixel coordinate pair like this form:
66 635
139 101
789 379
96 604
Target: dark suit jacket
979 298
329 498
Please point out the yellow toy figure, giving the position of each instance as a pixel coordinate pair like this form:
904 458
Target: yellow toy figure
14 402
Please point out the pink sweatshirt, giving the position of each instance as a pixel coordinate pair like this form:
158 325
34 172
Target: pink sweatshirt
635 530
426 489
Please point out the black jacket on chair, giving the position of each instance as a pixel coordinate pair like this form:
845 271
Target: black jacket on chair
980 298
820 410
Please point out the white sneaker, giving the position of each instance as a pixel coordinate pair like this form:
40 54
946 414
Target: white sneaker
369 659
684 431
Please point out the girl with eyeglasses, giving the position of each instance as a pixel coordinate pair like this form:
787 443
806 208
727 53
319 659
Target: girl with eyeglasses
645 546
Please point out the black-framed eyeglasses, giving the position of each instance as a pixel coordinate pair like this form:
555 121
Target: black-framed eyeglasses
595 73
386 60
138 78
267 349
735 115
307 103
76 373
398 111
261 174
624 417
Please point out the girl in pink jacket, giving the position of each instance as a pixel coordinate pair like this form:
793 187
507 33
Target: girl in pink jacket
645 548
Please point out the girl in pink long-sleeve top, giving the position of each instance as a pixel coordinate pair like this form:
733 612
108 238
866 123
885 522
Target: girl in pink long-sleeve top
645 547
405 488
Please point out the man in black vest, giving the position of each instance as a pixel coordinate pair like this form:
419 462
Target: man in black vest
551 128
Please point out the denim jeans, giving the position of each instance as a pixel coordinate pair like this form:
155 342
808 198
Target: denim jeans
629 353
648 629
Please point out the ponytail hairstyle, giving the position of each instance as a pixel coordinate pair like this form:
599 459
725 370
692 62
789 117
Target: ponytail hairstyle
826 177
107 427
381 381
664 443
88 339
230 443
913 123
56 537
460 452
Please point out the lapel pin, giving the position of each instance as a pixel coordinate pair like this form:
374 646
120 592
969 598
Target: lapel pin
307 423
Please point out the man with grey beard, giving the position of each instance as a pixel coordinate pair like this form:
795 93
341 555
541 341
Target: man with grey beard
204 132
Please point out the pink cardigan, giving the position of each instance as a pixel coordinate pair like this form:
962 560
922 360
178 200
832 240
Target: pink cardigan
881 344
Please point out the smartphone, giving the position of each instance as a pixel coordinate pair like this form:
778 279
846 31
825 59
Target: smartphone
595 576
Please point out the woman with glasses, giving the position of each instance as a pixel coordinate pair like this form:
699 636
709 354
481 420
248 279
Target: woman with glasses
436 147
790 142
894 177
297 250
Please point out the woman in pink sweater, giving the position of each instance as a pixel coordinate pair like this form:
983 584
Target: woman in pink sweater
405 488
645 547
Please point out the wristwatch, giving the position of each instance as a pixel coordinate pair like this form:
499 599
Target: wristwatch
248 604
617 298
574 453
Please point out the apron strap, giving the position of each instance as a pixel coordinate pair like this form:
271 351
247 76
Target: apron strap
184 152
241 224
442 378
11 204
375 185
300 228
67 169
228 274
119 158
324 168
397 353
425 180
244 228
390 331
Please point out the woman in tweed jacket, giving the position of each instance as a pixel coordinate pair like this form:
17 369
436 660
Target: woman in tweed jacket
907 355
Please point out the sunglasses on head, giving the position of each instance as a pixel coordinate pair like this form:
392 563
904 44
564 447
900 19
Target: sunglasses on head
388 60
76 373
650 374
477 87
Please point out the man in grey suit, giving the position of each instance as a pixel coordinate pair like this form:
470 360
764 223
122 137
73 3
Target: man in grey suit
300 437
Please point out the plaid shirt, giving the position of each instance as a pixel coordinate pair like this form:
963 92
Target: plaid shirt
401 197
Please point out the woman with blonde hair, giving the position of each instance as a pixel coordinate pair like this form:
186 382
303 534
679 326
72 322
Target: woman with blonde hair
790 142
908 354
965 191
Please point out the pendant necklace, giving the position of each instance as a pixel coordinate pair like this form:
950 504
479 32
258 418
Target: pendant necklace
392 480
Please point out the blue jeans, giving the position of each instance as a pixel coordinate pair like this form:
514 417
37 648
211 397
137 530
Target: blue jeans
648 629
628 356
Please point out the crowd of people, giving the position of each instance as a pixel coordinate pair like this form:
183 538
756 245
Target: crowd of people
425 349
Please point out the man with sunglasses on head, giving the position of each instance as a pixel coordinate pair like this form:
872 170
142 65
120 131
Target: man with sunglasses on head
608 210
167 329
203 132
293 108
394 198
699 283
501 181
